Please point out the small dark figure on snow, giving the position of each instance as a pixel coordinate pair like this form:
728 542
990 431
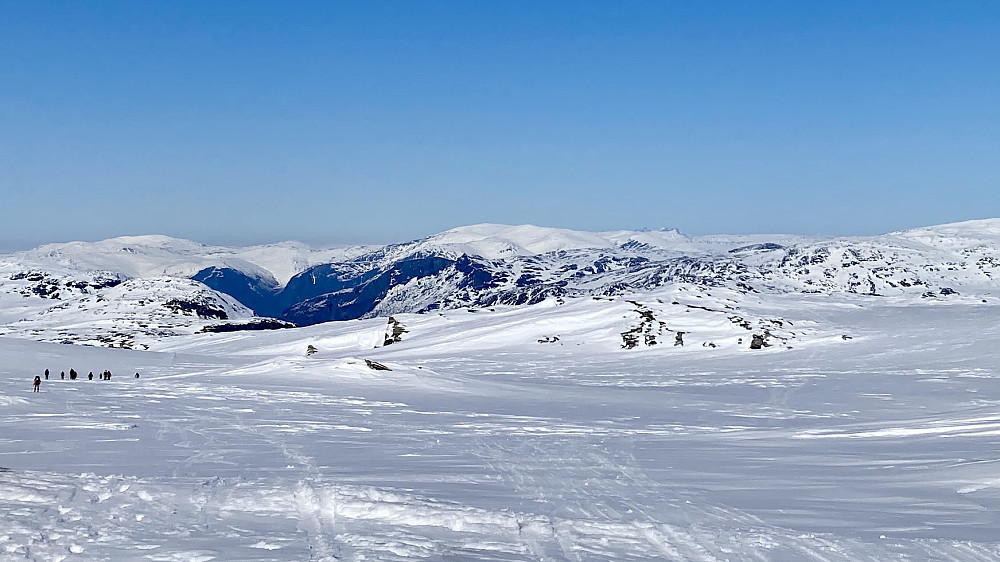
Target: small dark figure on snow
46 374
38 383
137 375
757 341
62 375
107 375
90 376
679 339
72 374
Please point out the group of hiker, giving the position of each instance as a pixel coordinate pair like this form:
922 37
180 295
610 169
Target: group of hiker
105 376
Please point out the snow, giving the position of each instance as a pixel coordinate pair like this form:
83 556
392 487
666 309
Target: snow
494 241
157 255
572 429
132 313
482 443
499 241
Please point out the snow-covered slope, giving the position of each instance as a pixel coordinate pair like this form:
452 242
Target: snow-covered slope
447 422
106 309
490 265
519 433
155 255
956 235
499 241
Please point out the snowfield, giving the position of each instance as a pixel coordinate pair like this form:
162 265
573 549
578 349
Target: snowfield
451 420
521 433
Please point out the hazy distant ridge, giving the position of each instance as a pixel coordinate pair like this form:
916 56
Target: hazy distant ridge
490 264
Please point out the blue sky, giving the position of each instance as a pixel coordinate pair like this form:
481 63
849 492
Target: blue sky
339 122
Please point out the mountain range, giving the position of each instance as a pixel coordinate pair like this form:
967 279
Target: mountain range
157 285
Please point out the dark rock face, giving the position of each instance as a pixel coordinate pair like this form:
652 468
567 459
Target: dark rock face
394 332
200 309
256 293
255 324
765 247
757 341
329 292
47 286
395 279
353 289
345 291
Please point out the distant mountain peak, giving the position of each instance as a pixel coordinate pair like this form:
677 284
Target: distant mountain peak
979 228
497 241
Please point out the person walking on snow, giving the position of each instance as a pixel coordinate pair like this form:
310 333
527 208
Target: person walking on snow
46 374
38 382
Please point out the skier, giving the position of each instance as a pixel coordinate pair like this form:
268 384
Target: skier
72 374
90 376
137 375
62 375
38 382
46 374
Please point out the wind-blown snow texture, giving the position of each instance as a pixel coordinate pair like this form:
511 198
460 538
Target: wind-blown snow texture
572 429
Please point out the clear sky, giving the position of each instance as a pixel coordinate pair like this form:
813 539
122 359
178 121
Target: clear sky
368 121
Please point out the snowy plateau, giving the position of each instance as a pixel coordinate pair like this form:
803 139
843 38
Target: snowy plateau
505 393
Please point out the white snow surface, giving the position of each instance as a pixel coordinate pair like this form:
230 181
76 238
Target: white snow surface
520 433
157 255
498 241
129 314
573 429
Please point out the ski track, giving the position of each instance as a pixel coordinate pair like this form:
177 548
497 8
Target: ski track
510 456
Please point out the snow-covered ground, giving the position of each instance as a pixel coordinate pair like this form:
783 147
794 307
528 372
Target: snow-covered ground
522 433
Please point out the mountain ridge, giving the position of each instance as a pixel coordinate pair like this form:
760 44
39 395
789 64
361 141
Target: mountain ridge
489 265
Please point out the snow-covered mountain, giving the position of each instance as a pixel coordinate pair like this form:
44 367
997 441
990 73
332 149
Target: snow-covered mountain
476 266
487 265
627 415
108 309
156 255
